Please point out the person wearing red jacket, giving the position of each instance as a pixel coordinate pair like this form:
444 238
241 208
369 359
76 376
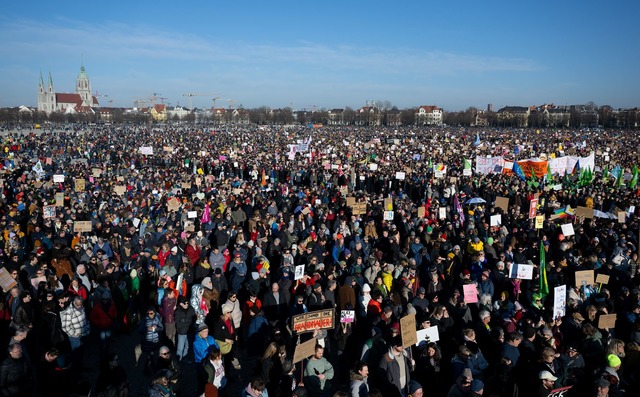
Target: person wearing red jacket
193 252
103 315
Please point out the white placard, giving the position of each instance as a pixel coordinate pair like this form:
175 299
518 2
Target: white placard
58 178
632 209
388 215
373 167
467 172
400 175
427 335
347 316
559 301
136 222
442 213
524 272
496 220
192 214
567 229
299 272
148 150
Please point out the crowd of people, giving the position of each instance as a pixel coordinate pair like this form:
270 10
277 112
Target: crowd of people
205 244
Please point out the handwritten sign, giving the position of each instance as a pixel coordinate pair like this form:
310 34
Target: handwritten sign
81 226
524 272
567 229
400 175
408 330
304 350
584 212
584 276
388 204
173 204
539 221
602 279
470 293
359 208
559 301
58 178
192 214
308 322
421 212
351 201
347 316
119 190
59 199
146 150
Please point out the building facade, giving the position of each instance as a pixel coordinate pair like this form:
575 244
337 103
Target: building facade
81 101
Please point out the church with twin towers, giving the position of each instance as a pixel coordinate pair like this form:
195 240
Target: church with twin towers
82 101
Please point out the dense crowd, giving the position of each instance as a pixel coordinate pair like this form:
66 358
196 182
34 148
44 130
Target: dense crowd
207 243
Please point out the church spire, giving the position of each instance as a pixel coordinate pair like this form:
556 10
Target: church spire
50 82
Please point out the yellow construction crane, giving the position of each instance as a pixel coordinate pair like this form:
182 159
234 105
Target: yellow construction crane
191 95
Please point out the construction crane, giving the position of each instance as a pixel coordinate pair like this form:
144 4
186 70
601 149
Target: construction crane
231 103
191 95
161 98
214 101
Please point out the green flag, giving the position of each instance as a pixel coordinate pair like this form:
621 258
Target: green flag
467 164
544 285
549 174
430 165
619 182
634 177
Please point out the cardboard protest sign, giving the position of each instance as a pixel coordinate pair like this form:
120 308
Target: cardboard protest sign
304 350
119 190
185 185
82 226
584 276
347 316
6 281
427 335
351 201
503 202
607 321
567 229
421 212
359 208
308 322
408 330
602 279
79 185
622 217
173 204
584 212
59 199
344 190
48 211
470 293
388 204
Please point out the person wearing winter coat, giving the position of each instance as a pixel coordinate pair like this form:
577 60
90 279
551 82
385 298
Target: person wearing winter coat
184 316
394 370
358 376
74 322
16 375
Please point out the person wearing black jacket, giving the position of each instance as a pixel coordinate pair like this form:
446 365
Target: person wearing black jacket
184 317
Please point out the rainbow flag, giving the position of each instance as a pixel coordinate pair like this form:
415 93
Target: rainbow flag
561 213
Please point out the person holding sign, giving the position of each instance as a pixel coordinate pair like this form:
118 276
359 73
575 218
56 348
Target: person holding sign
395 369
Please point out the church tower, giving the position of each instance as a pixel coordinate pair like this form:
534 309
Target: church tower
83 88
46 96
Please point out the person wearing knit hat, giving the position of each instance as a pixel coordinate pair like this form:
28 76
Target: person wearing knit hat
414 389
477 387
614 361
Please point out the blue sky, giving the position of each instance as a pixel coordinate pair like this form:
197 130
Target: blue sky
329 54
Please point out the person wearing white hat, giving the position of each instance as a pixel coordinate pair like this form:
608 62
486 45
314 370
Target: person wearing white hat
547 383
226 335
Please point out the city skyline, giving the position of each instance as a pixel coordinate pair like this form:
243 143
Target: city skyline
328 55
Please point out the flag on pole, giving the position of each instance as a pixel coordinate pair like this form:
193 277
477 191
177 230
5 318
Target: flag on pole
206 215
544 285
467 164
634 177
549 174
518 171
458 208
38 169
477 142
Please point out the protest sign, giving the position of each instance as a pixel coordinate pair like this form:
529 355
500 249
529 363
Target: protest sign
299 272
427 335
185 185
119 190
503 202
48 211
561 392
192 214
400 175
567 229
524 271
359 208
533 208
373 167
347 316
351 201
146 150
408 330
304 350
584 212
81 226
622 217
584 276
602 279
470 293
442 213
388 215
79 185
173 204
308 322
607 321
388 204
496 220
6 281
59 199
539 221
559 301
58 178
421 212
